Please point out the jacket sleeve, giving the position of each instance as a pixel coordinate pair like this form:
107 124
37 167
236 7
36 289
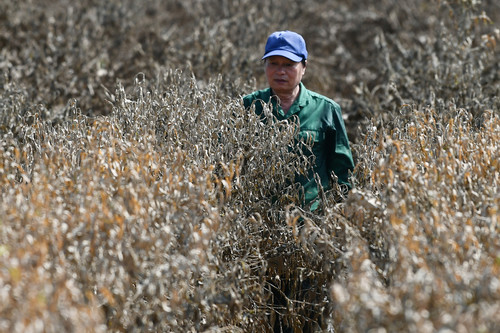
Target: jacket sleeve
247 101
339 156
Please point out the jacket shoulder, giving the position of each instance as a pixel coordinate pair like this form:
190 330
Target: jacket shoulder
262 95
321 99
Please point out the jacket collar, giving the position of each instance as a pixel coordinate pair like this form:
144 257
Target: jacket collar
301 101
304 96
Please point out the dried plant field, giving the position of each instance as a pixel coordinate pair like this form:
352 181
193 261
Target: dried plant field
137 194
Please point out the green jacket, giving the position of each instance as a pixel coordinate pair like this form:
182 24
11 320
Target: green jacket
320 120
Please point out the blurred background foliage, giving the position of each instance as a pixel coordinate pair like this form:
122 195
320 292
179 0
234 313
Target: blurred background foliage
137 196
371 56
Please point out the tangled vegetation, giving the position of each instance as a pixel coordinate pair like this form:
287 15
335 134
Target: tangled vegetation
137 194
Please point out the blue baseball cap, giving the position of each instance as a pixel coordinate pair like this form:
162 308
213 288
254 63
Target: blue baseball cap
287 44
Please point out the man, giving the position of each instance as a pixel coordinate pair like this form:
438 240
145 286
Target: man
319 117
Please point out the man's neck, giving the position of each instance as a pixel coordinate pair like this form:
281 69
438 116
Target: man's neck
287 99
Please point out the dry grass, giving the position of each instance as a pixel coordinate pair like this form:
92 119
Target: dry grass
430 219
162 205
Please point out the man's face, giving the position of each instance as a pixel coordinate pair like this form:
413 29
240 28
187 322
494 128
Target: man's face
283 74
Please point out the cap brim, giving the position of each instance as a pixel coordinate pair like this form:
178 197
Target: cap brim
286 54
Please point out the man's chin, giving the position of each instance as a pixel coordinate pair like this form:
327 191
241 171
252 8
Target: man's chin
280 87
